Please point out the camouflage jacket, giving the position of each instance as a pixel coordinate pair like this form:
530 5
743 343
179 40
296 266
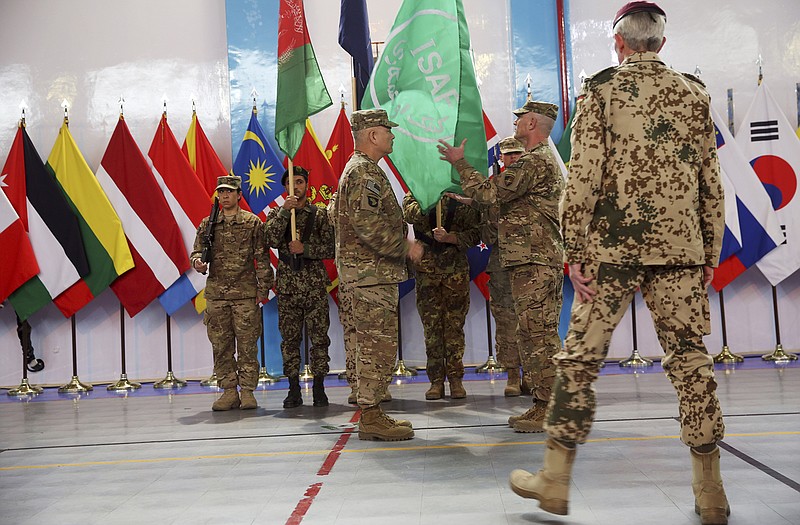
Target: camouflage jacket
527 194
319 245
488 233
458 219
644 185
370 232
239 266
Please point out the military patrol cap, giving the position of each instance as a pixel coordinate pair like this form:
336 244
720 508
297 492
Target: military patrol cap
637 7
229 181
511 145
542 108
369 118
298 170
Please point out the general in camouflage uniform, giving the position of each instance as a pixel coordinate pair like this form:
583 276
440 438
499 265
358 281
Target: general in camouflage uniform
301 284
527 194
240 277
442 285
643 209
371 253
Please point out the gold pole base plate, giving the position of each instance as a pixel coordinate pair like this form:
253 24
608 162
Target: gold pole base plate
75 387
212 381
306 376
635 361
25 389
491 365
123 385
779 355
402 371
265 377
170 382
728 357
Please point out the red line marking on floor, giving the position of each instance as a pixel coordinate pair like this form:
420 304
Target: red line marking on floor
304 504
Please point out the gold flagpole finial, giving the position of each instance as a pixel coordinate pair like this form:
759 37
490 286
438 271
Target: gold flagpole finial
22 106
254 94
528 81
760 62
164 100
65 105
121 107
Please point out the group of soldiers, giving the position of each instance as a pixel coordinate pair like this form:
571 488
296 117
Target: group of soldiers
642 209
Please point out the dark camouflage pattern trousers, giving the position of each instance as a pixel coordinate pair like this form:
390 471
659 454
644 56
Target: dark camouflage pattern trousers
375 319
443 303
233 327
678 304
312 308
501 303
536 290
348 331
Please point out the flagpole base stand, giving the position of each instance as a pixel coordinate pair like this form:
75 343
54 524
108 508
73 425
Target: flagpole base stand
728 357
402 371
123 385
779 355
266 378
75 387
212 381
306 376
636 361
170 382
490 366
342 376
25 389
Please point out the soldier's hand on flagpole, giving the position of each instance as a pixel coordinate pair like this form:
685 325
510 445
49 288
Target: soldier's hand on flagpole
708 275
463 199
199 266
449 153
296 247
291 203
415 250
441 235
581 283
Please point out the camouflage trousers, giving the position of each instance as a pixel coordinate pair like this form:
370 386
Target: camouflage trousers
233 327
501 303
536 290
375 318
293 310
678 304
443 303
348 331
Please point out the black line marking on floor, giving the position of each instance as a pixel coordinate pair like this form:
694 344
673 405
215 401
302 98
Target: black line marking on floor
760 466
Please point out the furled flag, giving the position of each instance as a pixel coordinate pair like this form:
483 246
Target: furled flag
770 143
17 260
101 230
301 89
354 38
189 202
259 167
564 146
51 224
751 225
340 143
424 69
153 236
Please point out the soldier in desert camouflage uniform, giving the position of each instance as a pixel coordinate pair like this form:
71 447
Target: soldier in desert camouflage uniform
527 194
643 208
442 285
371 253
301 285
235 286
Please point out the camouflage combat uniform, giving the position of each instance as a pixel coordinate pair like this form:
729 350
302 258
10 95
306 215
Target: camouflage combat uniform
302 294
527 194
232 317
643 208
442 283
370 256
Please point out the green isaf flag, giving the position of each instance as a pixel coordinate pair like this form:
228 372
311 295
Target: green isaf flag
425 81
301 89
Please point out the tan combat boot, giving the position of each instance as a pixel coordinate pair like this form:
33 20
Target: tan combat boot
457 390
375 425
513 387
709 496
436 391
248 400
387 396
532 420
353 397
551 484
229 400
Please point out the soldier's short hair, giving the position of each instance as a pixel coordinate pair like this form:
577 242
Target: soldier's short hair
298 171
642 31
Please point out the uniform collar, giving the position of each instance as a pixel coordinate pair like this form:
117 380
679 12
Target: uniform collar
643 56
237 217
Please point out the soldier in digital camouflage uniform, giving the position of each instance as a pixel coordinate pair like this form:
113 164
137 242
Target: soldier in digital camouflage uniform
239 278
643 208
527 194
442 285
371 253
301 285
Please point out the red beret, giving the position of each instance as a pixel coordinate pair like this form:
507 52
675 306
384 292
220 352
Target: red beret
637 7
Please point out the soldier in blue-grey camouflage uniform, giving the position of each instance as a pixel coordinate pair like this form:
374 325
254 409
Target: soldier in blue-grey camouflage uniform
643 209
239 278
371 253
301 285
442 286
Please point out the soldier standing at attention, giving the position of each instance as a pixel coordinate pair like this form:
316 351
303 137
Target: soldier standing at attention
442 284
643 208
527 194
301 285
371 250
239 279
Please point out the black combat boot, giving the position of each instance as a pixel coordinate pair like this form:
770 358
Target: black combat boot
320 399
293 399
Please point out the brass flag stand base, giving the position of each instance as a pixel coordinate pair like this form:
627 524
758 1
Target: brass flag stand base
265 377
490 366
170 382
25 389
779 355
636 360
75 387
306 375
212 381
728 357
401 370
123 385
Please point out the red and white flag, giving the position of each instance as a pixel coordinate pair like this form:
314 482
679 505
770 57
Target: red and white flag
17 261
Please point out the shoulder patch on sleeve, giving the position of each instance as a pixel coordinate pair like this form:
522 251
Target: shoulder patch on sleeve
373 187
